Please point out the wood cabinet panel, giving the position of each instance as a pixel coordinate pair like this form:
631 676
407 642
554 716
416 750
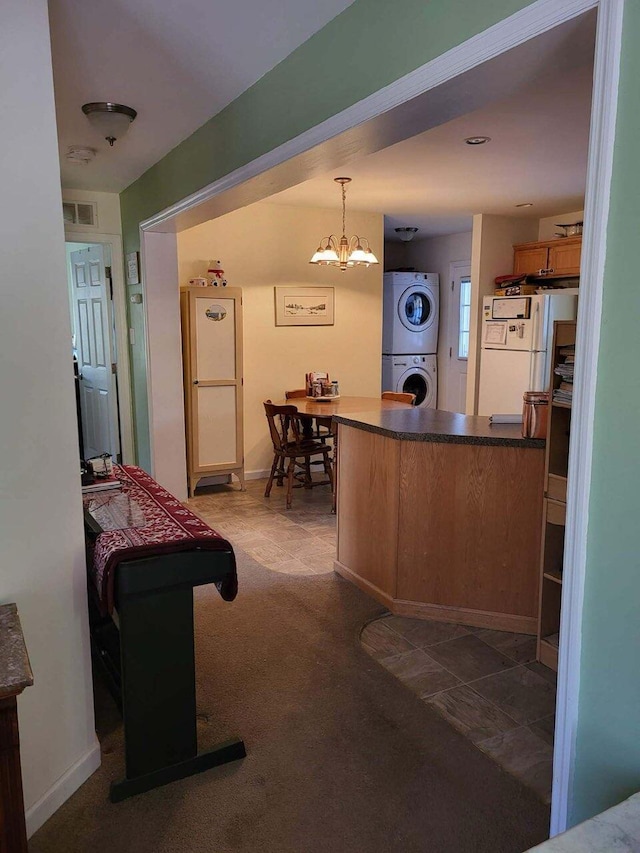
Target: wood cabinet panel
469 526
560 257
529 261
368 507
212 369
564 257
555 510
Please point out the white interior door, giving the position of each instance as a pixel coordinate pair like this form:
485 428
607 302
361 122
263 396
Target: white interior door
91 298
454 386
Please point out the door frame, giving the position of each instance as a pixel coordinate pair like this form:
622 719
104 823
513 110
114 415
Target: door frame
121 325
453 318
535 19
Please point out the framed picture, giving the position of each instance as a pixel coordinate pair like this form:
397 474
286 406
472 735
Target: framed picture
133 268
304 306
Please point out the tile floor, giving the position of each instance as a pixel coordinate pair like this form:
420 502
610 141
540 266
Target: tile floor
299 541
484 683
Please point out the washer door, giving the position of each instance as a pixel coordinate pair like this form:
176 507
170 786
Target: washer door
416 308
418 382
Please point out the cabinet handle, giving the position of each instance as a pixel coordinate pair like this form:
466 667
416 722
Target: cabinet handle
195 382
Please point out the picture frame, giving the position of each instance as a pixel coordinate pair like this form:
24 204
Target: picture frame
133 268
304 306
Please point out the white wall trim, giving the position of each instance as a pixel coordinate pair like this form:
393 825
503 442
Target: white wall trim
163 339
125 402
62 789
601 142
533 20
518 28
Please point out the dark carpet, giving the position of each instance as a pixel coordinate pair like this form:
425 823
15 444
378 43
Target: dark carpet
341 756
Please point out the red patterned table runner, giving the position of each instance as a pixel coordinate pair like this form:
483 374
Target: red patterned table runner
168 527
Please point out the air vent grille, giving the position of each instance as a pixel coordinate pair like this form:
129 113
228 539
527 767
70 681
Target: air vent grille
79 213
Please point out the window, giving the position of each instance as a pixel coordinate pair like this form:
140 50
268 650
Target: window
465 317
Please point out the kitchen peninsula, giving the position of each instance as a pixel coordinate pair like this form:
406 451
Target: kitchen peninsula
439 516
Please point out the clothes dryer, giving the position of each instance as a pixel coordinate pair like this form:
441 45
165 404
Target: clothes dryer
413 374
411 305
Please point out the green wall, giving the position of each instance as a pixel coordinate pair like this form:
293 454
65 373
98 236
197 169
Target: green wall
608 739
370 45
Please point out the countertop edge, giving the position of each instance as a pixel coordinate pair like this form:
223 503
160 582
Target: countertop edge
441 437
15 669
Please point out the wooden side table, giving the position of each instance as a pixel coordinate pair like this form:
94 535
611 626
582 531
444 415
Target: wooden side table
15 675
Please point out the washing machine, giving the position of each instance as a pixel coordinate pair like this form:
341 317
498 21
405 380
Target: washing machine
415 374
410 308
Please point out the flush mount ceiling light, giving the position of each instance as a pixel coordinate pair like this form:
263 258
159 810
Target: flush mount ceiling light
80 155
110 120
406 234
477 140
345 252
525 204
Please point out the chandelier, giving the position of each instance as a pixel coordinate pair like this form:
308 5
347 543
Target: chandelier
346 252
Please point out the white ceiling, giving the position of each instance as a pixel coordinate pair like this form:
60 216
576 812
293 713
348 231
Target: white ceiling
538 153
176 63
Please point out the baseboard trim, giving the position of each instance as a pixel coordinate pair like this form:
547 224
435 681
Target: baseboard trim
62 789
365 585
257 475
477 618
438 612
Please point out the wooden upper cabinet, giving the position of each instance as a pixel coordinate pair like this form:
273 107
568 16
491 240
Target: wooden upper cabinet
564 257
529 260
549 259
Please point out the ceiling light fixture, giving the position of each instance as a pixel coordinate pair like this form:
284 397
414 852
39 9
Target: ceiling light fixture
477 140
407 233
110 120
345 252
525 204
80 155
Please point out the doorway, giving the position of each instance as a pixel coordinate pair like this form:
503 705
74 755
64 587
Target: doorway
458 326
95 350
540 17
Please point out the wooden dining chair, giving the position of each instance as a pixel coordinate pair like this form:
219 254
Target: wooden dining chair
292 452
399 397
324 427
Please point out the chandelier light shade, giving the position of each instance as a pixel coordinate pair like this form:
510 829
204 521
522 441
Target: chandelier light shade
347 251
110 120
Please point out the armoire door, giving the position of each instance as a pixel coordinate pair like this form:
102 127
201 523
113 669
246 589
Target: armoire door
214 377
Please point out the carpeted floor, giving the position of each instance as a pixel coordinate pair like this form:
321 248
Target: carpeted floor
341 756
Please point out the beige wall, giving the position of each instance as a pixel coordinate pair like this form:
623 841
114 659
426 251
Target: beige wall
547 227
108 210
43 562
266 245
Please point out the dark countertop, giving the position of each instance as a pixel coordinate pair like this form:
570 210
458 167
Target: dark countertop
15 669
417 424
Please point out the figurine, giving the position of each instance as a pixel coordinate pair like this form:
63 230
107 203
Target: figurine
215 274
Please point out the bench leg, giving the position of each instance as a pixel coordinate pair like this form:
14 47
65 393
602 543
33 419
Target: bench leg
158 693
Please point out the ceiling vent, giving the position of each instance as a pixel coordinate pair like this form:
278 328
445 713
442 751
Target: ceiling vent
80 213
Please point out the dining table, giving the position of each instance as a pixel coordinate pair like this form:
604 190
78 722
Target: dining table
323 411
309 407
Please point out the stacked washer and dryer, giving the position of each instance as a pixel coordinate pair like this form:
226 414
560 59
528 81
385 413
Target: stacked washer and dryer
410 305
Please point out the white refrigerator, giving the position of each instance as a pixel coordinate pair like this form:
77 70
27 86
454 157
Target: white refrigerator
517 333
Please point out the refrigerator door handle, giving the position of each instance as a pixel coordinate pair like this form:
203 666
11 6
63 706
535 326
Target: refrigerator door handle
534 344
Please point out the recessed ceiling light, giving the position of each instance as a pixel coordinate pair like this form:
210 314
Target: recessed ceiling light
477 140
525 204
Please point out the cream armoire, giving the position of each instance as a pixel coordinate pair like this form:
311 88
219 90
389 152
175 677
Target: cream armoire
212 359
